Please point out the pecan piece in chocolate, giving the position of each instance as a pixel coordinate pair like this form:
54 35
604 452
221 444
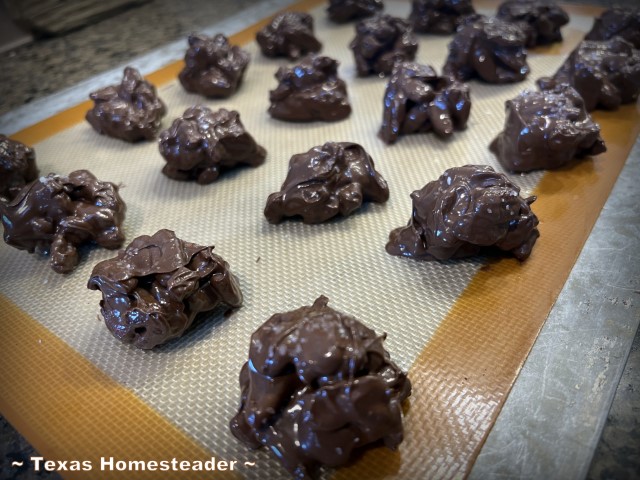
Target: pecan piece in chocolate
289 35
318 386
154 288
310 90
438 16
214 68
17 167
539 19
466 210
546 130
130 111
418 100
202 143
380 42
56 214
328 180
490 49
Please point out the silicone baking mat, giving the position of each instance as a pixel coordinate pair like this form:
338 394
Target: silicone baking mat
463 329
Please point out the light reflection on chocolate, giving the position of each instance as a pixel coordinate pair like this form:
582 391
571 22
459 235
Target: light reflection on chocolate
56 214
155 287
466 210
213 67
130 111
318 386
489 49
546 130
310 90
418 100
329 180
289 34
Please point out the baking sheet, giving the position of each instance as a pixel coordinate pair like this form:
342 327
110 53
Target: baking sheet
450 323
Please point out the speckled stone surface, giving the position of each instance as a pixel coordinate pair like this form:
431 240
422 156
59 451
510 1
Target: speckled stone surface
45 66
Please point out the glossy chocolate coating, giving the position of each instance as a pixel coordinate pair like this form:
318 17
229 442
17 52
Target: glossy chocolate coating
617 22
606 73
342 11
310 90
328 180
214 68
318 385
380 42
17 167
56 214
289 35
467 209
490 49
418 100
130 111
153 289
546 130
540 19
202 143
438 16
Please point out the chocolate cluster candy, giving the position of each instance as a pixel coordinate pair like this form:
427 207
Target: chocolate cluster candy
289 35
606 73
539 19
342 11
438 16
154 288
17 167
130 111
490 49
202 143
466 210
380 42
617 22
418 100
214 68
328 180
310 90
546 130
318 386
56 214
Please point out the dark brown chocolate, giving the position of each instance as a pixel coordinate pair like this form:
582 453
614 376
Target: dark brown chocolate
202 143
546 130
289 35
342 11
606 73
130 111
380 42
214 68
541 20
17 167
328 180
466 210
617 22
153 289
318 386
418 100
489 49
438 16
56 214
310 90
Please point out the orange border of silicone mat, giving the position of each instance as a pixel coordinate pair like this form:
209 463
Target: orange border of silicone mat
461 378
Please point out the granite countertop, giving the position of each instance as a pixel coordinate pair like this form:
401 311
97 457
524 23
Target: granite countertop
33 71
